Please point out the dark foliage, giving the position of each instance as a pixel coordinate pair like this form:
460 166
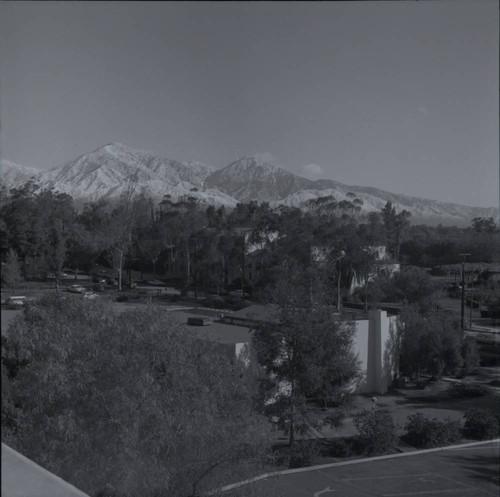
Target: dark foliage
376 431
426 433
481 424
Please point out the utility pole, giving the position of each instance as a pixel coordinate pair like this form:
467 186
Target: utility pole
463 256
471 297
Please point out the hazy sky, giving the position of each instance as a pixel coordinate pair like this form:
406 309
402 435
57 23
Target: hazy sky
398 95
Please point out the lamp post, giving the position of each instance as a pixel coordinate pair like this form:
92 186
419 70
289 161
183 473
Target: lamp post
463 256
471 296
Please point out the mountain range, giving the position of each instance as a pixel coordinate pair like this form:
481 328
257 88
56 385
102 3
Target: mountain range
108 171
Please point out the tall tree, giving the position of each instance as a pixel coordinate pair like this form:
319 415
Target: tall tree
11 271
484 224
431 343
396 225
308 351
120 228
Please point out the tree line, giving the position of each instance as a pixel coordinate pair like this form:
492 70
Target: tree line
43 232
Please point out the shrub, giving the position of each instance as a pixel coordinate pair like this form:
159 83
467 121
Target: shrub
343 447
480 424
376 431
304 453
426 433
122 298
462 390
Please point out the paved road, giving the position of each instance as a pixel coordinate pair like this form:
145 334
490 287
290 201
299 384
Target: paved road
467 471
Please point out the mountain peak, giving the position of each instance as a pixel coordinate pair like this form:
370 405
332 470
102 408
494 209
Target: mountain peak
254 178
15 175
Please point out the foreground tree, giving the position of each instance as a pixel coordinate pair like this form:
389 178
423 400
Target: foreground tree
130 402
306 349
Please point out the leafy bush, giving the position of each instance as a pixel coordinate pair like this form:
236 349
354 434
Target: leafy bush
480 424
462 390
424 432
301 454
376 431
304 453
343 447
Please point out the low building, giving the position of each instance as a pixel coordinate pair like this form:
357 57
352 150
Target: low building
374 341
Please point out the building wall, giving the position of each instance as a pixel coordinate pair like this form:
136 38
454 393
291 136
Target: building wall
361 347
376 345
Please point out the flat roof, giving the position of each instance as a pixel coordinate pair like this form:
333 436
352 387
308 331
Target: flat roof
221 332
270 313
21 477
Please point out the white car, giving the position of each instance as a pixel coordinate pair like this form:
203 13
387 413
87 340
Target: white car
76 289
90 295
16 302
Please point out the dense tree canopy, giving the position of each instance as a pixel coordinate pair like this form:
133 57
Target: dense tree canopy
133 232
127 400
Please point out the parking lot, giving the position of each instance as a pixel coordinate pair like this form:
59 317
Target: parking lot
470 470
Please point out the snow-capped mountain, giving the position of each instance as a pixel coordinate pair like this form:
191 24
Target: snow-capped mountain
110 170
252 178
14 175
423 211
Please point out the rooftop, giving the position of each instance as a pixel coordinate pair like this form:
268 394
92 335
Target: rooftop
220 332
21 477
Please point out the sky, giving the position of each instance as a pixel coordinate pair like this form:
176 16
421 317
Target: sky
400 95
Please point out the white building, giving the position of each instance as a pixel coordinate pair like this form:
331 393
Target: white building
375 340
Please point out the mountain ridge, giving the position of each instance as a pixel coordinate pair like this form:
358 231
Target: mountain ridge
108 170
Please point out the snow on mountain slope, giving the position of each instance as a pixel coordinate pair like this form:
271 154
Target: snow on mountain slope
252 178
14 175
422 210
194 172
108 171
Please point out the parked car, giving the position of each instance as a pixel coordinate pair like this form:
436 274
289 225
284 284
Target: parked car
90 295
155 283
15 302
76 289
98 287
